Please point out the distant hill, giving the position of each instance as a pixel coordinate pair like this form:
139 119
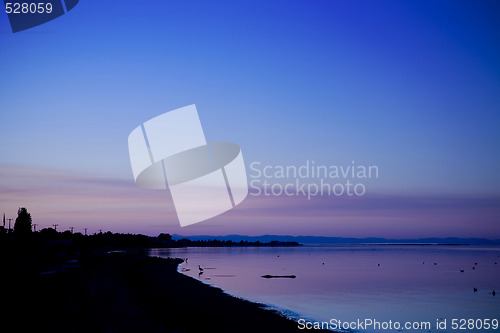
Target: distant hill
342 240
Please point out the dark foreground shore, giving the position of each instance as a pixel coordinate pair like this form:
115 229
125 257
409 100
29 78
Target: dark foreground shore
120 292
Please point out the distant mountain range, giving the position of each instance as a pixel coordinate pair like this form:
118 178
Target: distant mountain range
342 240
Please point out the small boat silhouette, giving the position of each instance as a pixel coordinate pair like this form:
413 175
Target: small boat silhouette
278 276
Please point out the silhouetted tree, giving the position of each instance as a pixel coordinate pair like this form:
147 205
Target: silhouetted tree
23 222
49 233
165 237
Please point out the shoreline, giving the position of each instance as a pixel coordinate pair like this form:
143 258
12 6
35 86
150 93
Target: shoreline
129 292
287 314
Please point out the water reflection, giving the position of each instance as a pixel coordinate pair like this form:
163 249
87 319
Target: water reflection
383 282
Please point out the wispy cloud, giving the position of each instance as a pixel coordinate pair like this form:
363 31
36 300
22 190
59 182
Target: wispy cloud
377 214
84 201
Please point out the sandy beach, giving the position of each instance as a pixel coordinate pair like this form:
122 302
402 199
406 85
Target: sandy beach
127 292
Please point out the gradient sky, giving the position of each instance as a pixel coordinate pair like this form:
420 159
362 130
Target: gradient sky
412 87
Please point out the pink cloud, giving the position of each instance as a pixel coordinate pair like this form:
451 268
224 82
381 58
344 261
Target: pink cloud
84 201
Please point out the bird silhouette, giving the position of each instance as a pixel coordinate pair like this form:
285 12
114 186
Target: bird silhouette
201 269
475 289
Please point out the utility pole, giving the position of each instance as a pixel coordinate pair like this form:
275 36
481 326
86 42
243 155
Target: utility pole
9 222
34 226
85 231
55 226
71 228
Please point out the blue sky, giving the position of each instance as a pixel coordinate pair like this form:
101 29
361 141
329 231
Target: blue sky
413 87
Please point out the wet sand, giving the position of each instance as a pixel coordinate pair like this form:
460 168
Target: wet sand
121 292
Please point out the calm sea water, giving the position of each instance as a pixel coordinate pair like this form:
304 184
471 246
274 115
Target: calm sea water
345 282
